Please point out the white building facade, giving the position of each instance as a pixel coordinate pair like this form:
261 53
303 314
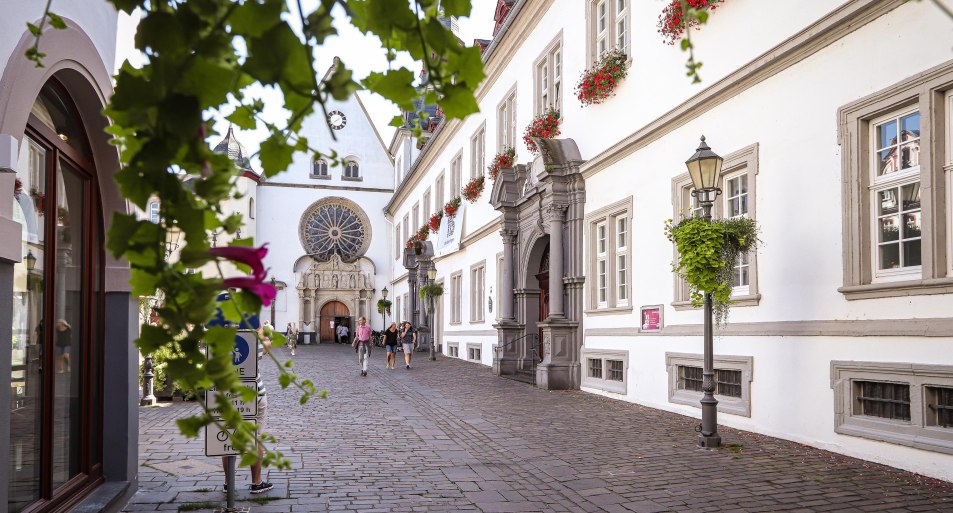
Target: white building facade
328 243
835 129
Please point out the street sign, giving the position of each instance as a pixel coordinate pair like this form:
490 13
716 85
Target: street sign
218 442
245 356
247 409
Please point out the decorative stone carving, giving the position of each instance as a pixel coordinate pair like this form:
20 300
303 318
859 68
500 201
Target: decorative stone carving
335 226
348 282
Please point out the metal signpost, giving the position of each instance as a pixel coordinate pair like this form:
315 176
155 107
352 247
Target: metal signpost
218 442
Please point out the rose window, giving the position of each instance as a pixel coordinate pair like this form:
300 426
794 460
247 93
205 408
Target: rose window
335 225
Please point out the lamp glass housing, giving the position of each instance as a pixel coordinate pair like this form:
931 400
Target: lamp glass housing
384 292
704 167
432 273
30 261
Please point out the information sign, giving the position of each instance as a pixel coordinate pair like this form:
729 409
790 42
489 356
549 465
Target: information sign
218 442
651 318
245 356
247 409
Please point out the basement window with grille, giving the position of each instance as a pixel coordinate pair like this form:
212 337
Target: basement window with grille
606 370
902 403
453 349
733 375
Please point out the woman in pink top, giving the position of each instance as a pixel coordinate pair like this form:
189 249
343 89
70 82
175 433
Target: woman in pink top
362 342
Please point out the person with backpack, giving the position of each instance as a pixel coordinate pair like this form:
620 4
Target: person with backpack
408 339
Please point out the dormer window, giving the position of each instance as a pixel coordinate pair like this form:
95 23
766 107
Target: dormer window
319 169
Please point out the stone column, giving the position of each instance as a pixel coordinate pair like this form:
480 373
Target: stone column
506 295
556 215
422 323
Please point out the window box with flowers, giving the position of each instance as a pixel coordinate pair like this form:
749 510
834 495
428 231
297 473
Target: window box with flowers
435 221
673 22
599 82
473 189
423 233
503 159
452 206
544 126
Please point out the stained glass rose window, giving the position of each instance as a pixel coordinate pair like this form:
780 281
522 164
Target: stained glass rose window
335 225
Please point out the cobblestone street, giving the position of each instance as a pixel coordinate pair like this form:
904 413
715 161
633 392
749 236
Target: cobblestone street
450 436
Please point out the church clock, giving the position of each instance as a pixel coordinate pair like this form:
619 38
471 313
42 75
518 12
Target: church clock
336 119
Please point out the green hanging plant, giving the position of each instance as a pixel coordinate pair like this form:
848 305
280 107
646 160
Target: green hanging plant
432 290
383 306
707 255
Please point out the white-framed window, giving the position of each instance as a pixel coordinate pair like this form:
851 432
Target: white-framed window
549 78
456 297
602 265
738 186
736 205
609 27
415 211
453 349
456 175
352 170
475 352
319 168
478 153
886 230
407 306
398 242
895 195
426 206
397 309
477 291
621 259
406 236
609 262
506 122
154 212
438 191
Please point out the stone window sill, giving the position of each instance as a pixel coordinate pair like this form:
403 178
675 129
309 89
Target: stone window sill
350 179
898 288
618 310
749 300
321 177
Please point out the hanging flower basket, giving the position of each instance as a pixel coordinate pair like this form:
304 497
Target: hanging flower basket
673 22
505 158
544 126
435 221
598 83
452 206
707 252
473 189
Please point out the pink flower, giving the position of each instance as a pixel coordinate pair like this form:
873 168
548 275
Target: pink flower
252 257
265 291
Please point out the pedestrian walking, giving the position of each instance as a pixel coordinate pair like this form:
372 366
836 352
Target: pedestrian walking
291 333
258 485
343 332
408 339
362 342
390 344
64 340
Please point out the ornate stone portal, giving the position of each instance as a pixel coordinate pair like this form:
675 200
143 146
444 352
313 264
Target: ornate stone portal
335 234
543 214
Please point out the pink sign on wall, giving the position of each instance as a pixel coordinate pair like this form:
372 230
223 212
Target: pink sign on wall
651 318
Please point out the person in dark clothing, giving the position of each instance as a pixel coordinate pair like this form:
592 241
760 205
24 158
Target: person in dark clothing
64 335
390 344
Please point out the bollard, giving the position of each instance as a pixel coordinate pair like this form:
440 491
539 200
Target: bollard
148 398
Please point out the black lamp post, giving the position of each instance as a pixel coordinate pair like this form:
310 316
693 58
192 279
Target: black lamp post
274 283
705 169
384 312
431 275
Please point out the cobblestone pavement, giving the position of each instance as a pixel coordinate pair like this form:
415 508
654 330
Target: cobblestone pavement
450 436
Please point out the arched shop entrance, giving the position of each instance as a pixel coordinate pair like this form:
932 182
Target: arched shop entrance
334 314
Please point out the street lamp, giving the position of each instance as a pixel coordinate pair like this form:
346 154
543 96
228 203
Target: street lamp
274 284
384 312
704 167
431 275
30 261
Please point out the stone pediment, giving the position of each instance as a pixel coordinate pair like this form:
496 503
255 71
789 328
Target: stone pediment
505 190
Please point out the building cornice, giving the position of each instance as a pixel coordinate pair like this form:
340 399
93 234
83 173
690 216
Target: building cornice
324 187
940 327
495 61
835 25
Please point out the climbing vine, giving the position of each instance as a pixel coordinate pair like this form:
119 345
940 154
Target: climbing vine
707 252
201 58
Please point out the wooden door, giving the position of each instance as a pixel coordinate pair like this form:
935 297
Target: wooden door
329 312
543 307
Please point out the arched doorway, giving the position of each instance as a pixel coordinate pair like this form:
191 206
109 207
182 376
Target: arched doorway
333 314
542 277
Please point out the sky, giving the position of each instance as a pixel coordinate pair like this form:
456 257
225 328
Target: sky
362 55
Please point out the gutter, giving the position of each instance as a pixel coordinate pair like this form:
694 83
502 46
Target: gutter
510 20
